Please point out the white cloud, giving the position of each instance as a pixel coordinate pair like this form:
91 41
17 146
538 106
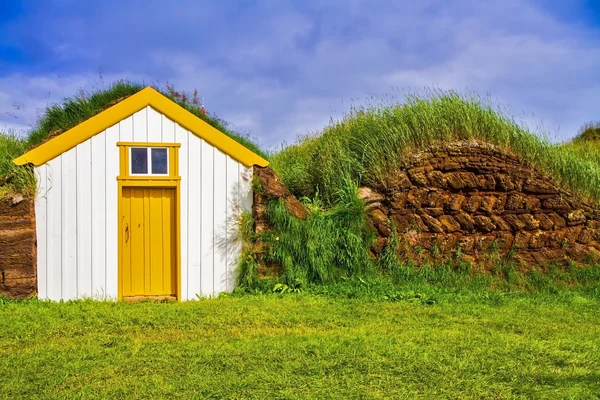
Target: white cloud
24 98
291 71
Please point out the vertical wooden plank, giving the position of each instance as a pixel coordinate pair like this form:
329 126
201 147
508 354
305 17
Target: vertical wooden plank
140 125
168 240
41 232
220 222
173 249
155 241
181 136
168 130
98 206
207 216
147 239
137 235
123 131
194 218
54 228
233 210
126 226
69 224
154 122
84 219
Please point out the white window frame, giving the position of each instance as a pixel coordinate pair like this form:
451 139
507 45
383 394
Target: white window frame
148 160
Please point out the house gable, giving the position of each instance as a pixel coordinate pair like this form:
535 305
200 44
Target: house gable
124 109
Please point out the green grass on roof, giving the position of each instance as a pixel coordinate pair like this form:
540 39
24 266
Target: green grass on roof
366 144
72 111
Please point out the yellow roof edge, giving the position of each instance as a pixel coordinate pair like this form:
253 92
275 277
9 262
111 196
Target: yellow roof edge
146 97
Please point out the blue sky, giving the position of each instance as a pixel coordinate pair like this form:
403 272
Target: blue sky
276 69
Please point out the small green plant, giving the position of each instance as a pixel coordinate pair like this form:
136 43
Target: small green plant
506 271
493 247
459 252
295 287
435 250
388 260
512 252
256 185
247 269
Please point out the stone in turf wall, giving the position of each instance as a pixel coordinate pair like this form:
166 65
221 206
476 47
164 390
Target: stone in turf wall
474 200
18 278
269 185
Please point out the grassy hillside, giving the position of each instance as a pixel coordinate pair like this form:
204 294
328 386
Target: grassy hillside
325 170
63 116
367 143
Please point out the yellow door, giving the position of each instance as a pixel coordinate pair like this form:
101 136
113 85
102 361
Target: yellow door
148 242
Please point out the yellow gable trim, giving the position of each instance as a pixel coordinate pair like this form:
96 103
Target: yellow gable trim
146 97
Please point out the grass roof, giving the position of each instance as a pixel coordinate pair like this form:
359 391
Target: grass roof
72 111
368 142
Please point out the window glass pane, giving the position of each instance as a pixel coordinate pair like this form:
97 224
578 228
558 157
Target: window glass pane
159 161
139 160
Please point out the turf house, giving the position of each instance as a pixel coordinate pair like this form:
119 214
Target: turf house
136 201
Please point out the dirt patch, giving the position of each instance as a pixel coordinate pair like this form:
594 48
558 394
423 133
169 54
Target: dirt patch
18 275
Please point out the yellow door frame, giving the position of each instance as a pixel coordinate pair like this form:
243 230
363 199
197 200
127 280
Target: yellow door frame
172 180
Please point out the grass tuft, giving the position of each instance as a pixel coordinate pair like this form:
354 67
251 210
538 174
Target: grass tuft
589 132
14 179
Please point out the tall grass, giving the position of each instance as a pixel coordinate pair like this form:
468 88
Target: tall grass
13 179
366 144
589 132
324 248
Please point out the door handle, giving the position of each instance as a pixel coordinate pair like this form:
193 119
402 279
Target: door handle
126 233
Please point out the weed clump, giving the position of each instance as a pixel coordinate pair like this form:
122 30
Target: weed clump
328 245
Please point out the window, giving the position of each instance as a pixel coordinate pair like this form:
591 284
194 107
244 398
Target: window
149 161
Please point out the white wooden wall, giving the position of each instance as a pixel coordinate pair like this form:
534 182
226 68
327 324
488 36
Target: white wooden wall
76 212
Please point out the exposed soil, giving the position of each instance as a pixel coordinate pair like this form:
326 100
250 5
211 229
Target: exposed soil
18 277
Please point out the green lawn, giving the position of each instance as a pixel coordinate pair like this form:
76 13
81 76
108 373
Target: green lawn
497 345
